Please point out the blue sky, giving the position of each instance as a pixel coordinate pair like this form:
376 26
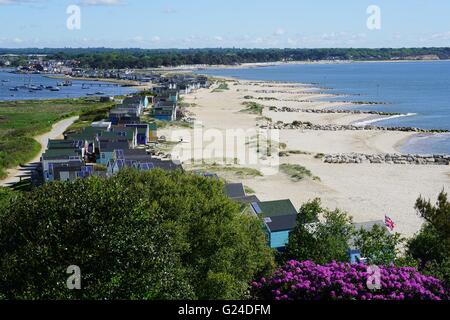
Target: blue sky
224 23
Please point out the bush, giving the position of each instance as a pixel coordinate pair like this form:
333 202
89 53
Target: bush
342 281
138 235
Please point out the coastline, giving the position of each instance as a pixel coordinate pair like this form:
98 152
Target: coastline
367 191
280 63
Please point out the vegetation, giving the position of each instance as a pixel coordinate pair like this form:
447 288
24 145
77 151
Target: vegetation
152 235
20 121
222 87
253 108
321 242
104 58
297 172
378 246
240 172
343 281
328 239
431 246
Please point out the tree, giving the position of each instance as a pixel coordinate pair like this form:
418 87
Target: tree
431 246
378 245
320 241
138 235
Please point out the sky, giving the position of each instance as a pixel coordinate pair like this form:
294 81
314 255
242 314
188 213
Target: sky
224 23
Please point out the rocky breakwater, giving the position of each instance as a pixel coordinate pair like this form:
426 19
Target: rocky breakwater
328 111
411 159
300 125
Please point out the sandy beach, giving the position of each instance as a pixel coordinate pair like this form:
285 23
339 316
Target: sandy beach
367 191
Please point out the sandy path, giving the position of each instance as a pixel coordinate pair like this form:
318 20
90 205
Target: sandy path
57 132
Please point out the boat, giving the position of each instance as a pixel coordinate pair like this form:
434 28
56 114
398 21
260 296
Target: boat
14 89
99 93
55 89
66 83
5 80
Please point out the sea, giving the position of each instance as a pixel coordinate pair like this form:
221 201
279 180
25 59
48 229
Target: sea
420 91
79 88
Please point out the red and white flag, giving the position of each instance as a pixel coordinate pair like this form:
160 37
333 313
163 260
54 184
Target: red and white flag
389 223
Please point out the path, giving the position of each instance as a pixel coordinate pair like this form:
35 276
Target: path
57 131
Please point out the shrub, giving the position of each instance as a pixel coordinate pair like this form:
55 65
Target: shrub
342 281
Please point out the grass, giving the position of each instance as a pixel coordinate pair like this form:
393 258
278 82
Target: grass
167 124
253 108
240 172
222 87
20 121
249 190
287 153
297 172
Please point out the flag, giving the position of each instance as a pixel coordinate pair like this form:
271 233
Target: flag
389 223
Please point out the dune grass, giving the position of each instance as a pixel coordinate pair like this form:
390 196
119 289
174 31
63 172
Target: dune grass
297 172
253 108
223 86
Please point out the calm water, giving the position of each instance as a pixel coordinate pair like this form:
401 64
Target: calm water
418 88
10 80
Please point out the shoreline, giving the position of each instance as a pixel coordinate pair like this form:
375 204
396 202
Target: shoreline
281 63
368 191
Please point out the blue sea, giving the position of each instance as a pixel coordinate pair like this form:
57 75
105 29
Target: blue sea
419 89
10 80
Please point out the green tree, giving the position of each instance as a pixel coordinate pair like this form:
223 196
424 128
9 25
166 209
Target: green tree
320 241
152 235
378 245
431 246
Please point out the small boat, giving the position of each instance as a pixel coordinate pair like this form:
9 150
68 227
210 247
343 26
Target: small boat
55 89
65 83
14 89
5 80
99 93
48 87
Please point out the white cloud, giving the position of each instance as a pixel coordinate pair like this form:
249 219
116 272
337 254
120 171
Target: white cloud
19 2
218 38
17 40
155 39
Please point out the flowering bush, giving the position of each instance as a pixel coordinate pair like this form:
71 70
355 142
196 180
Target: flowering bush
343 281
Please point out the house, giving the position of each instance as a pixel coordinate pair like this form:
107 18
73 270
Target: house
107 149
279 219
165 111
138 159
71 170
105 125
52 157
143 132
141 101
236 192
